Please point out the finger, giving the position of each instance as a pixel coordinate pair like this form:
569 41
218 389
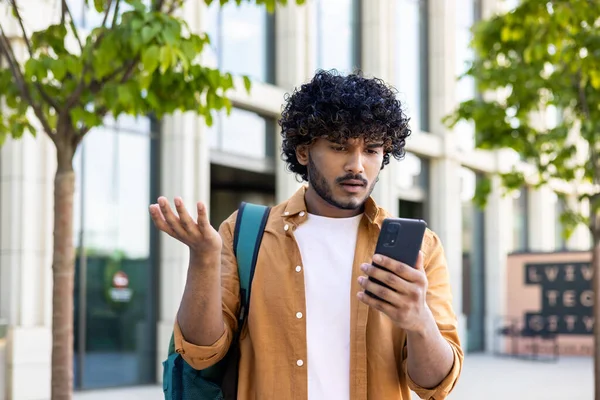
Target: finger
402 270
186 220
386 277
172 219
203 222
420 265
379 305
159 220
380 291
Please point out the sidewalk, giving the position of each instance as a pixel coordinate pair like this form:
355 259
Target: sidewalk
491 378
483 377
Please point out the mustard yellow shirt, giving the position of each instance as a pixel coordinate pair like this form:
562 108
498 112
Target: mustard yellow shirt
274 339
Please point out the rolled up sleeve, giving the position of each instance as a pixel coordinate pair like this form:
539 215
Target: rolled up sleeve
444 388
439 300
202 357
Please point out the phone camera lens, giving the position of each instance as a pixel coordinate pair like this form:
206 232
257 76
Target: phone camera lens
393 228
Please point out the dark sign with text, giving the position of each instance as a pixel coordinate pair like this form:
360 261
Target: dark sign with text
567 298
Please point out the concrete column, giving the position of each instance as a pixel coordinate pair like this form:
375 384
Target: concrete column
185 172
498 238
542 223
377 60
444 196
27 169
377 25
292 30
445 220
442 79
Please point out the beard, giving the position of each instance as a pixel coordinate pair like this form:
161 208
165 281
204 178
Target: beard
325 190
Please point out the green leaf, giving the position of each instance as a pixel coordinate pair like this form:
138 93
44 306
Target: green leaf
147 34
137 5
150 58
125 95
31 68
166 58
483 188
595 78
99 5
247 84
59 70
137 24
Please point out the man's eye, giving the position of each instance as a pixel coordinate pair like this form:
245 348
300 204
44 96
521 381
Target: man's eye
338 148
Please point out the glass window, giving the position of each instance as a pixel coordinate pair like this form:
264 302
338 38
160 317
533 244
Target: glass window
244 133
115 266
242 40
335 41
411 60
465 87
413 172
115 157
520 220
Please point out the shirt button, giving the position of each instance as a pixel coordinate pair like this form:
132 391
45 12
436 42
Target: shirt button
286 213
298 268
298 315
302 213
286 227
299 363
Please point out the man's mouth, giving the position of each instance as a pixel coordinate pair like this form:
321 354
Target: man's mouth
353 186
353 182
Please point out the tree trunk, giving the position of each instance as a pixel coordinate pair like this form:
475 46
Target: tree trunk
63 273
596 287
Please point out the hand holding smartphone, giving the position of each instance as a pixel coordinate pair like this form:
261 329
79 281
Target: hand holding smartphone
400 239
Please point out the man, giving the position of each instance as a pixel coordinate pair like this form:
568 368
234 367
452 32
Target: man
312 332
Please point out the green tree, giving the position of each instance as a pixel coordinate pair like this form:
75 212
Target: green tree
141 59
544 54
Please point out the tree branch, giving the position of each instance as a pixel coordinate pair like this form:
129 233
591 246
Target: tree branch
14 67
63 11
72 24
157 5
106 13
44 95
77 138
116 14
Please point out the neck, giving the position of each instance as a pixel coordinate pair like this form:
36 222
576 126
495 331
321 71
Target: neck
317 206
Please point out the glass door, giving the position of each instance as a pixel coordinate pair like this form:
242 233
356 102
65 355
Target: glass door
115 294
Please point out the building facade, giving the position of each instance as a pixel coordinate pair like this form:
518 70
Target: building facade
129 279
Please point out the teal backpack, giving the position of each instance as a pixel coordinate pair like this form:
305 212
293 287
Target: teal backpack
219 382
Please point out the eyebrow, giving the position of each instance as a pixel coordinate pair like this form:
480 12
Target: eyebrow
374 145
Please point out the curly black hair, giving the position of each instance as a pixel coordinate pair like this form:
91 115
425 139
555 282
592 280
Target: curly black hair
339 108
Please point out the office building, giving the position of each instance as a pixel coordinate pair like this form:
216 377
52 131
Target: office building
123 322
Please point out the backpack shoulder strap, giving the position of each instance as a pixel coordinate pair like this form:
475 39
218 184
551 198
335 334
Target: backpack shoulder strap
249 228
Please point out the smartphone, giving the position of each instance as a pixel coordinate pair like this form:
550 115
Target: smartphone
400 239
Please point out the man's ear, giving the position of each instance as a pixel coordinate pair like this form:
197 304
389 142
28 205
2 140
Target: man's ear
302 154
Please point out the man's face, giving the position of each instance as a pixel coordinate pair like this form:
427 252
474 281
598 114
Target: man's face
344 174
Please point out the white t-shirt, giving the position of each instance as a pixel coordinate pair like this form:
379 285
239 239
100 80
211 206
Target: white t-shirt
327 248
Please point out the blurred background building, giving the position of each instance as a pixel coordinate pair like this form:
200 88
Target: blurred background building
130 279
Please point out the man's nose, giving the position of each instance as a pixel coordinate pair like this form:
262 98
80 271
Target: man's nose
354 163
